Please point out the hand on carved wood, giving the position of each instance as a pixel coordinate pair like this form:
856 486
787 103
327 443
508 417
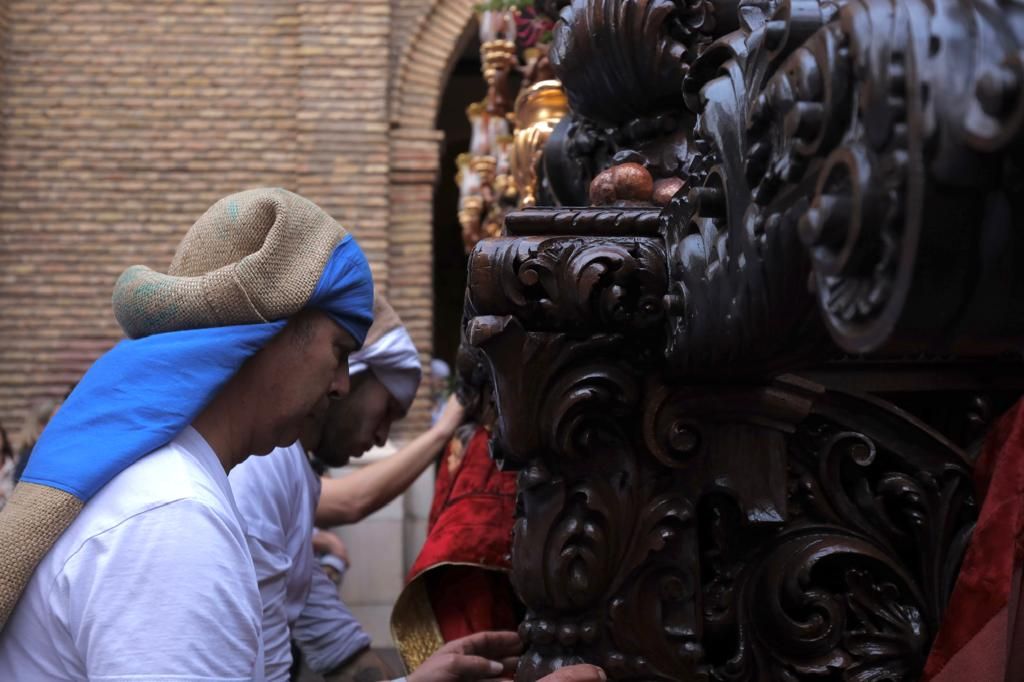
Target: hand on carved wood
480 656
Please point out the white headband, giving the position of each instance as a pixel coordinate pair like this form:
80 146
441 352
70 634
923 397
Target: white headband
394 361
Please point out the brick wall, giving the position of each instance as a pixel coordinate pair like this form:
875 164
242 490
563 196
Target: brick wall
436 40
406 17
122 121
5 20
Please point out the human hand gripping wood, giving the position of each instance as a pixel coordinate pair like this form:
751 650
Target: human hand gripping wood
480 656
490 656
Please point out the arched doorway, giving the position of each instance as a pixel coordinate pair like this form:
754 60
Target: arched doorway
464 87
428 63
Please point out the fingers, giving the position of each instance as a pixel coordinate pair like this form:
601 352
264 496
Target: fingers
453 404
576 673
465 666
510 664
452 414
493 645
508 673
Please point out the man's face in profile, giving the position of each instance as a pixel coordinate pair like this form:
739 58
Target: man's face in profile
295 374
355 423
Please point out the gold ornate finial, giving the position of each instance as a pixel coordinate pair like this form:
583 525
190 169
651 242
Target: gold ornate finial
538 110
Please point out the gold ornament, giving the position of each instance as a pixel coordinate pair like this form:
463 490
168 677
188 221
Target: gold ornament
538 110
484 166
497 55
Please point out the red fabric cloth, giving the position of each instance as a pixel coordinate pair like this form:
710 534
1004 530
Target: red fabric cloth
974 633
468 599
471 525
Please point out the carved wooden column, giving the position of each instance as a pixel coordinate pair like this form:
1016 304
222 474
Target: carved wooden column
679 531
741 402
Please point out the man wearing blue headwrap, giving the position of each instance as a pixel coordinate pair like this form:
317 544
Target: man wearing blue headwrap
122 538
277 496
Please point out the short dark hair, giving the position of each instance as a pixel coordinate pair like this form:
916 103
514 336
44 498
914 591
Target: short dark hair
302 327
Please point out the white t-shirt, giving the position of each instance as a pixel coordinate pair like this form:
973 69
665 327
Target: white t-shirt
277 496
152 581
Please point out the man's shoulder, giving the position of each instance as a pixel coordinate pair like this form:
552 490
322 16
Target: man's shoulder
167 481
165 475
104 586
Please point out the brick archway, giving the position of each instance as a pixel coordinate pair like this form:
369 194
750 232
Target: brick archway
438 38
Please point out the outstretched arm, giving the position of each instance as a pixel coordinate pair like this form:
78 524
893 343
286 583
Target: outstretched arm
353 497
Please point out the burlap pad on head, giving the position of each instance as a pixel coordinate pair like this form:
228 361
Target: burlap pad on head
384 319
35 516
252 257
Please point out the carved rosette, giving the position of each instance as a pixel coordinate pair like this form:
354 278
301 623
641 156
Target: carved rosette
866 129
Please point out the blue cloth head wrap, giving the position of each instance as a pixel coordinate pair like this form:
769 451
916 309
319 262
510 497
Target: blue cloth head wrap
144 391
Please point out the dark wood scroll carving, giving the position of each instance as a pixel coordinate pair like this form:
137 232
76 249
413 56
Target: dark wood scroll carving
573 283
674 532
710 397
858 126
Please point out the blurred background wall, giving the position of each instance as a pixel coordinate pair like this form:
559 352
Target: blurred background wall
122 121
